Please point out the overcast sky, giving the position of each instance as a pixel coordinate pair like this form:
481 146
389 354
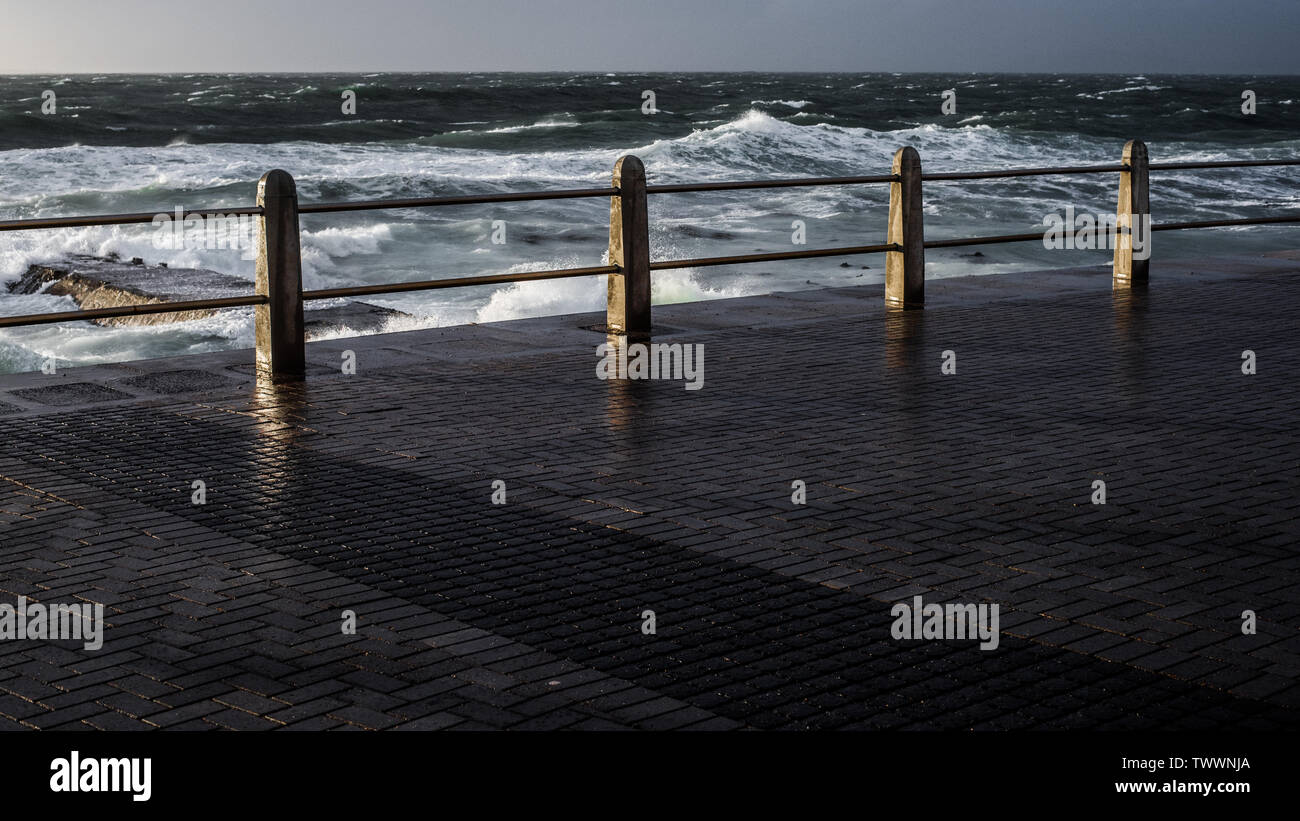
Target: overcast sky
1128 36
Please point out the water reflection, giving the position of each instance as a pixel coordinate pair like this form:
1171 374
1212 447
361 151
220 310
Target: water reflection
629 403
1129 307
278 461
909 369
904 338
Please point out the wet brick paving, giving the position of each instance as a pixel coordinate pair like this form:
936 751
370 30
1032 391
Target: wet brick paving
372 493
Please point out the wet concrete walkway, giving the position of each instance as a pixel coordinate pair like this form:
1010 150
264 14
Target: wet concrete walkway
372 493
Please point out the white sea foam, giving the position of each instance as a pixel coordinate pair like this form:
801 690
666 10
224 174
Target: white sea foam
540 124
580 294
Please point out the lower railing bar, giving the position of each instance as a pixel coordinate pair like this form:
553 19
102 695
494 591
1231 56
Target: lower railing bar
133 310
1176 226
668 265
456 282
958 243
1168 226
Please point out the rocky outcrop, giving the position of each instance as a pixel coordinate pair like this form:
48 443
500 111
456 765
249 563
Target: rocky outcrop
109 282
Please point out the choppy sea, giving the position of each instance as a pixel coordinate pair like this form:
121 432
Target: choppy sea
120 143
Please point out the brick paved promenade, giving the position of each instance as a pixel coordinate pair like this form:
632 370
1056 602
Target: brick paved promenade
371 493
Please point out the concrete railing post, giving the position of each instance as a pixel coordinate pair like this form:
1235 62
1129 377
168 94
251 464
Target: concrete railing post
905 268
281 350
1133 218
628 310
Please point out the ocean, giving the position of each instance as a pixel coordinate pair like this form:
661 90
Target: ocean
118 143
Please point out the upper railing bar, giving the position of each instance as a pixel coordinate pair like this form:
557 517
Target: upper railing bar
124 219
579 193
704 262
429 202
685 188
456 282
945 176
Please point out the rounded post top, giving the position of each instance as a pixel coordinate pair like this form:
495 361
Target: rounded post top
906 157
1135 150
276 183
628 167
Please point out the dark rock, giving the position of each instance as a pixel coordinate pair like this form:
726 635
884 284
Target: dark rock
107 282
696 232
361 317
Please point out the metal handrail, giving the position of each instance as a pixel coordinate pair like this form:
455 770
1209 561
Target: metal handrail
124 219
457 282
800 182
582 193
134 310
1179 226
704 262
1182 166
428 202
949 176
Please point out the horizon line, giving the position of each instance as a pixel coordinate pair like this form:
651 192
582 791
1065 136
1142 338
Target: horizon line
608 72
